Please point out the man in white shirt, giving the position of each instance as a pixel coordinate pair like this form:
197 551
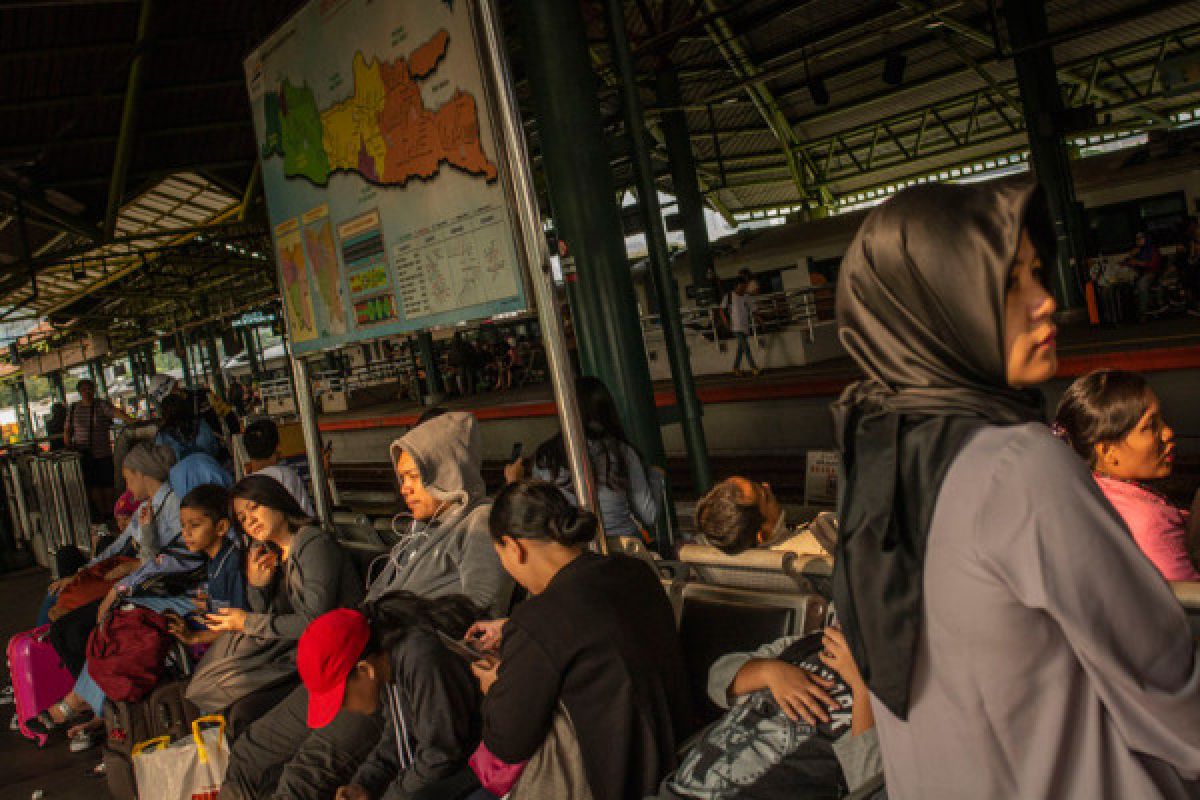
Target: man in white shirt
736 309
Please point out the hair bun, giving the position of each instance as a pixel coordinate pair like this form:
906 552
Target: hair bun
576 526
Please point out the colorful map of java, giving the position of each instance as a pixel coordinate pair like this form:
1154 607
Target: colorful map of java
383 131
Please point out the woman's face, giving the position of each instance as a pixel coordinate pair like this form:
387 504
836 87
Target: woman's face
1146 453
135 483
1030 354
260 523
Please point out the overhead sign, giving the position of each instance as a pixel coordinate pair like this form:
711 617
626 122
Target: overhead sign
382 171
254 319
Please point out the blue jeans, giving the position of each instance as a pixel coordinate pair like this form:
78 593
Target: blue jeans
743 349
43 615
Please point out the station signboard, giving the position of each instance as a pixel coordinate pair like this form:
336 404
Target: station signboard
382 171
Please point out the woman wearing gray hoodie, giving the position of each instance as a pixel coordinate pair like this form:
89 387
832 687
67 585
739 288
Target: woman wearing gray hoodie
448 552
449 549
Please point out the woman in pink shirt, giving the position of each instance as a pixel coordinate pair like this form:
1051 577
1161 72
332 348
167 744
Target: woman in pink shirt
1113 421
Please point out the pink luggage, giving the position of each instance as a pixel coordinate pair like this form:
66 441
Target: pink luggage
39 678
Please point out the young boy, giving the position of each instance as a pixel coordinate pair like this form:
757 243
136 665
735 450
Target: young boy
204 519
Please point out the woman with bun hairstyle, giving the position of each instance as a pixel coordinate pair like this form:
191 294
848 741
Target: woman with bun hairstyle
596 639
1112 419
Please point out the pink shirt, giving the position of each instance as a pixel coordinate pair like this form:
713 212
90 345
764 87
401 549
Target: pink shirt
1158 527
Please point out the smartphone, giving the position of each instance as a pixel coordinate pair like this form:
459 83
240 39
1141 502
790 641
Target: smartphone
460 649
518 449
831 618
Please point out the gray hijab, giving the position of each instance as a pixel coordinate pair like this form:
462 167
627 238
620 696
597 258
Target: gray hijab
920 309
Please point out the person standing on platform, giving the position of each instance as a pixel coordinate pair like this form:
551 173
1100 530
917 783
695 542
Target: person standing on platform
736 311
87 432
1015 641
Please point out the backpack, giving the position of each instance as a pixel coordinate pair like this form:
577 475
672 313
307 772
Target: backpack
127 652
756 751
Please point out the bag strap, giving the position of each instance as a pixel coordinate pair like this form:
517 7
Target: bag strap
154 745
201 749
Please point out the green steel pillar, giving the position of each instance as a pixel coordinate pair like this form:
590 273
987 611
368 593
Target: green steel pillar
148 361
1041 98
683 175
691 416
96 369
433 372
214 360
137 373
23 391
185 360
575 158
252 353
60 389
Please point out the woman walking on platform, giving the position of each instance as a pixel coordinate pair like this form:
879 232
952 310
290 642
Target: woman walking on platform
1015 641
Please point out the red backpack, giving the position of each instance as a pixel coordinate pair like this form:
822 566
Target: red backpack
126 653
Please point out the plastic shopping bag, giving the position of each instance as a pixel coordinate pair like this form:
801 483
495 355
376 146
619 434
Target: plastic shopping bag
190 769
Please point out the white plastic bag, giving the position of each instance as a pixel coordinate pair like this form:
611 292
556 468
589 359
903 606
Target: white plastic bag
190 769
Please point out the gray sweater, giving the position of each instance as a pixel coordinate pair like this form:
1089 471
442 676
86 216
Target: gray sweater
1053 660
316 577
451 553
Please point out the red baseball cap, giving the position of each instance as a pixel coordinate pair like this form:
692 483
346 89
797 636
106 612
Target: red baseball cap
328 650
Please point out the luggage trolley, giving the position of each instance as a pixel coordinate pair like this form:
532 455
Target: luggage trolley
17 487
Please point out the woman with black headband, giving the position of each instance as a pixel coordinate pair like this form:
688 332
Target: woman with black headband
1015 641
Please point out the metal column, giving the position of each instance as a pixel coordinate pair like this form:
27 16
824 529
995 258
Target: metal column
575 156
433 371
185 360
537 258
96 368
148 360
23 391
656 237
252 353
214 359
60 389
1041 98
307 410
683 175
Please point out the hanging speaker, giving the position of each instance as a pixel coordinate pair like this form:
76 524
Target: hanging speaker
893 68
817 90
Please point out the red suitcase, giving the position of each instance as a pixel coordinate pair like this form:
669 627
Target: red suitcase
39 678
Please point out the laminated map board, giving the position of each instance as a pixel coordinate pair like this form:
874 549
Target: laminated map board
382 171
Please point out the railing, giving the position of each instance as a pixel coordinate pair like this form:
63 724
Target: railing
770 313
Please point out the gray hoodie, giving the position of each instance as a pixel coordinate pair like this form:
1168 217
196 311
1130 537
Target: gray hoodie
451 553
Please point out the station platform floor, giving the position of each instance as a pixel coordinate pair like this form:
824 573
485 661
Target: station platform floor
24 768
1168 344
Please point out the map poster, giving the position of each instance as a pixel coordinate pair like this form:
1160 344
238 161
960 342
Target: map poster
324 270
382 172
294 282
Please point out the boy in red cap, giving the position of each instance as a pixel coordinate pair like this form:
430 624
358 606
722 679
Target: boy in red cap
355 665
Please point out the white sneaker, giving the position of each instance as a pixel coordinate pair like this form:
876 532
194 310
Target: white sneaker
86 739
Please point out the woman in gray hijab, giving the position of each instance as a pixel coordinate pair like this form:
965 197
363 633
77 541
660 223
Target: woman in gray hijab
1015 641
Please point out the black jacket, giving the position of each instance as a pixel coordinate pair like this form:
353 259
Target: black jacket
439 705
602 638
